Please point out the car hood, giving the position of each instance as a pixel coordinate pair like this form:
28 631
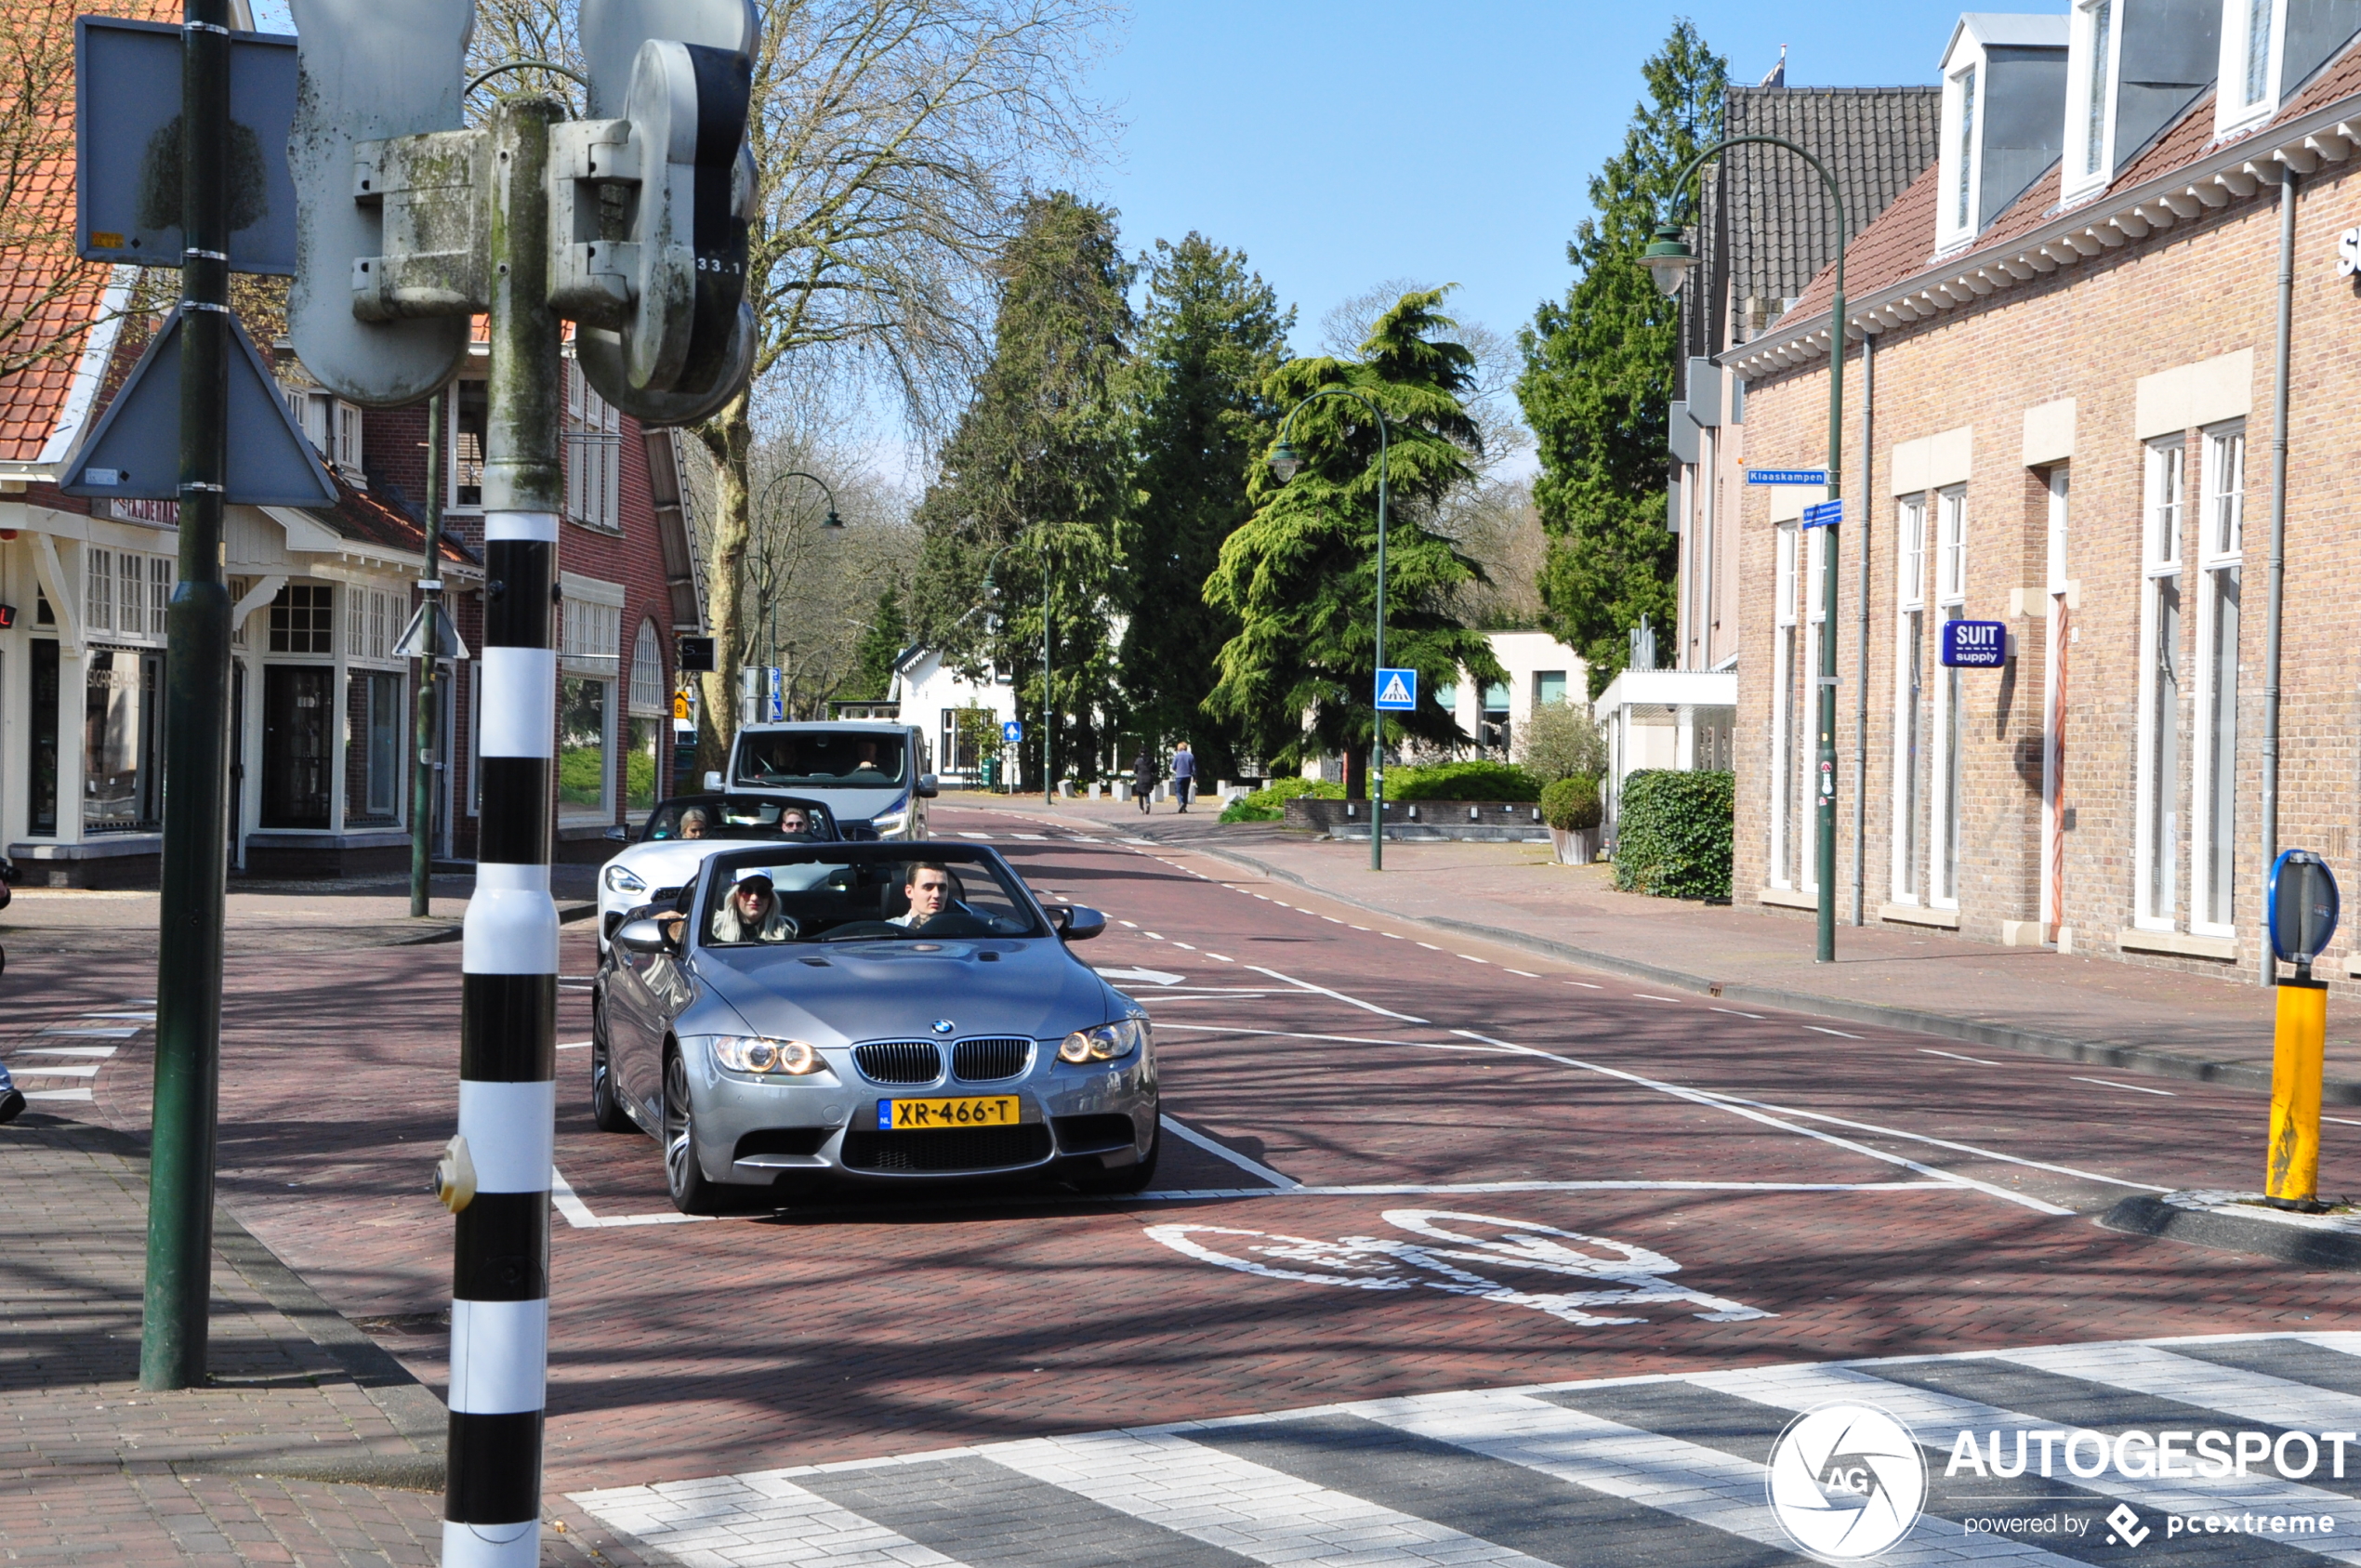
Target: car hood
892 990
672 863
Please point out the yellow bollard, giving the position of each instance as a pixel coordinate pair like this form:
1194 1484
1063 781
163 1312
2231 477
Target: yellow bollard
2292 1179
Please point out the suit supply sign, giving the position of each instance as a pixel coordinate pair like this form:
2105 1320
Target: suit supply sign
1975 644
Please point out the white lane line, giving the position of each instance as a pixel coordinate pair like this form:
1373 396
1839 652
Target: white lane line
1745 1109
1447 1189
68 1050
1686 1479
143 1018
57 1094
1152 936
1800 1388
68 1031
1360 928
1470 957
2110 1084
1190 1489
1222 957
1838 1033
719 1521
1586 985
577 1212
1528 975
1652 996
965 834
1128 924
1355 1001
1252 1167
2341 1121
1930 1050
1332 919
1429 947
1735 1014
1395 935
574 1045
1334 1039
77 1070
1180 944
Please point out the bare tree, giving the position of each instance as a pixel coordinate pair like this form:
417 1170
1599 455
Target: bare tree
36 187
892 141
1346 326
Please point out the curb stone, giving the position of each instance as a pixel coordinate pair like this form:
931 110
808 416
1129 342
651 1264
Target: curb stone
2132 1059
2223 1220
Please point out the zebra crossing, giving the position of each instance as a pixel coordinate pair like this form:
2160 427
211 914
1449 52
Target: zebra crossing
60 1061
2045 1455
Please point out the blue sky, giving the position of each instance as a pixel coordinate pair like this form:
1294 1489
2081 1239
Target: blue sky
1341 145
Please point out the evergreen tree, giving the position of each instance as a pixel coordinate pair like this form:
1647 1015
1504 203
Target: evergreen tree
1598 376
1301 576
887 635
1212 334
1036 481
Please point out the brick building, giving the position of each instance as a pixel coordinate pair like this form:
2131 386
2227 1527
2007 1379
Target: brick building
2061 370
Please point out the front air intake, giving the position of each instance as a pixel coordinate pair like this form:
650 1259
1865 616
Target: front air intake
899 1061
983 1061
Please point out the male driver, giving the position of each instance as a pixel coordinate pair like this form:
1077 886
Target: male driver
1184 774
927 886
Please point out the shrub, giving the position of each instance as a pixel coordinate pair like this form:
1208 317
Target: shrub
1270 803
1462 781
1672 837
1572 804
1562 741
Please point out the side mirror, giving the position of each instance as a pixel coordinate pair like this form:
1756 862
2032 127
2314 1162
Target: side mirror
1076 922
927 787
641 936
618 835
712 783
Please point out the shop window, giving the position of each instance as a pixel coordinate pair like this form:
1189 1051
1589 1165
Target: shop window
121 756
301 618
375 712
41 758
583 776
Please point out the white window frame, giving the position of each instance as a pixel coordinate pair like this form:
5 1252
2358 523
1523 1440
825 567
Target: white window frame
1784 640
374 620
1911 603
2221 526
2232 109
126 595
593 454
2163 501
1962 194
2058 627
2095 56
1950 595
648 696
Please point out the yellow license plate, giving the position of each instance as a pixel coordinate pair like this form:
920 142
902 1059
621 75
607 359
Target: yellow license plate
984 1111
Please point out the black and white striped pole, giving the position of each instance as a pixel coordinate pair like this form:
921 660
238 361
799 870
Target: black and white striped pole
496 1175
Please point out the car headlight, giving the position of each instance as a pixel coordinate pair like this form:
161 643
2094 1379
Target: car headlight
1108 1042
892 822
619 879
754 1053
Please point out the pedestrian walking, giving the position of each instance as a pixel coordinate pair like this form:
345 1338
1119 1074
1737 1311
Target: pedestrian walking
1184 774
12 1098
1144 776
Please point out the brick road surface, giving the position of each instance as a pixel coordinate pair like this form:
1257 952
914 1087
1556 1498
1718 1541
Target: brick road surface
859 1330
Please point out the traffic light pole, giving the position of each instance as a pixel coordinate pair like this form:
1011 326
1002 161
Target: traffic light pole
496 1176
180 1273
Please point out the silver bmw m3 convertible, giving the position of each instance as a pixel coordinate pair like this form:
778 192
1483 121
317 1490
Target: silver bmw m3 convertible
802 1015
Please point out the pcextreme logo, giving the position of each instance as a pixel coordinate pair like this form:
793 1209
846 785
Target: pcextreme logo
1846 1481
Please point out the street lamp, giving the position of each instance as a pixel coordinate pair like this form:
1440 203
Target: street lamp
1285 463
1668 260
772 583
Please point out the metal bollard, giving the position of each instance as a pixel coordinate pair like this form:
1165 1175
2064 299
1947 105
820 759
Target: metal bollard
2292 1178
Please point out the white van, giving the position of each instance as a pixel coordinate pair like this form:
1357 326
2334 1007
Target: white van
874 775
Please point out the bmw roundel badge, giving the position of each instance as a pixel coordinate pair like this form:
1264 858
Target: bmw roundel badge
943 1027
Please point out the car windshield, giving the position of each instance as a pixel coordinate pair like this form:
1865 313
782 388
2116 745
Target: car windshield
860 759
717 816
845 893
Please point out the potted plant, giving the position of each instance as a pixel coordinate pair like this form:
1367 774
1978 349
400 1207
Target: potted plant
1571 807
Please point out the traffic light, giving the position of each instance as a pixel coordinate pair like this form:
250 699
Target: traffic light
368 70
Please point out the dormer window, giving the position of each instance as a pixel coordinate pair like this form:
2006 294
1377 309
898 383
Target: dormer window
2133 68
2004 94
2269 49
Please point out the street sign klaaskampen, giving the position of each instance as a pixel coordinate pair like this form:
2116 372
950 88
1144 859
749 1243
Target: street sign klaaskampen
1975 644
1786 476
133 453
1824 514
1397 690
127 140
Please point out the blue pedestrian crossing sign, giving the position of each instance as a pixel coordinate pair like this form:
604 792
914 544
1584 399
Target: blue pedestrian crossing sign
1397 690
1011 731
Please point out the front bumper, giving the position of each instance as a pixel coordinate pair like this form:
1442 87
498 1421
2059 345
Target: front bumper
1071 1121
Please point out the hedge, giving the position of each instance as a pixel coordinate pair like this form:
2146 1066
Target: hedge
1672 836
1462 781
1270 803
1571 805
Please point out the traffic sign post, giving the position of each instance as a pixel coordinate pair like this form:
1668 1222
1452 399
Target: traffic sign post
1397 690
1012 731
2301 898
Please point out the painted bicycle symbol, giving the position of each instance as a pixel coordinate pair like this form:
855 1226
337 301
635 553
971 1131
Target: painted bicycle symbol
1623 1276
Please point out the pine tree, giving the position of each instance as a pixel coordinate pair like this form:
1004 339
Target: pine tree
1301 576
1599 377
887 635
1212 334
1036 481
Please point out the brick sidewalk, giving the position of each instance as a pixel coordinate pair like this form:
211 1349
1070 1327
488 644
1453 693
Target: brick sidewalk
2081 1009
310 1445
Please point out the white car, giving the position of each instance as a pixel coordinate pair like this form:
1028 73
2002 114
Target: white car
681 833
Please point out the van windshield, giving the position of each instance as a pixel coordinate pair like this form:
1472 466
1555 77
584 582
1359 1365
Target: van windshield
841 758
